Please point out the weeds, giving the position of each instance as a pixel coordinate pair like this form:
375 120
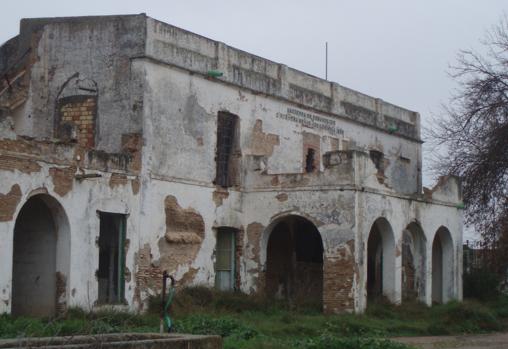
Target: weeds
255 322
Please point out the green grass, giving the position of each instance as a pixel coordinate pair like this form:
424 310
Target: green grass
252 322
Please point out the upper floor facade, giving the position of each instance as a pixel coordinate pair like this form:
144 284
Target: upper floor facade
103 83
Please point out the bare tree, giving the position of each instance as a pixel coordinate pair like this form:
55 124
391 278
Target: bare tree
473 131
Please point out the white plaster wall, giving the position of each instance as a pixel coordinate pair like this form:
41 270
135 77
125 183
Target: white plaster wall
80 206
178 157
181 108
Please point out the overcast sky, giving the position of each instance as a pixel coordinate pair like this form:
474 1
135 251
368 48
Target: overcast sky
397 50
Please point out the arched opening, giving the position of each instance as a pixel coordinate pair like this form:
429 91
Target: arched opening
381 261
442 266
294 264
413 263
40 258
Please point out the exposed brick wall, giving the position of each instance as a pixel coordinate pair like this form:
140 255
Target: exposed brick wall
9 202
338 278
408 273
239 237
63 179
76 118
11 163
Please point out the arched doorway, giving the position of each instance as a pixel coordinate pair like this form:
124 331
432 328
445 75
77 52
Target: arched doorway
294 261
40 258
413 263
381 261
442 266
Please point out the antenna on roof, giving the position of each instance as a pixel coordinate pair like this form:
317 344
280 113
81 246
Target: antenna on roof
326 60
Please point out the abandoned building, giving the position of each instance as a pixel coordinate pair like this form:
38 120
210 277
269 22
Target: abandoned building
129 147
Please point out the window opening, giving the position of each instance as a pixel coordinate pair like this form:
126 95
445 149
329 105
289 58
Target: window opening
377 158
225 259
226 127
309 160
111 272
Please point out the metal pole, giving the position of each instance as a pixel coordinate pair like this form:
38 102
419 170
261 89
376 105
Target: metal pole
326 60
163 300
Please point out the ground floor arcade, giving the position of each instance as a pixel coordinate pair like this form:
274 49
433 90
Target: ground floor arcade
338 260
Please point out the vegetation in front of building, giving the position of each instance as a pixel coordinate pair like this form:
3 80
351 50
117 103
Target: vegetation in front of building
254 322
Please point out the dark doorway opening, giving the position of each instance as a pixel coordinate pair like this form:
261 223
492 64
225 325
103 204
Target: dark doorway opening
374 265
442 267
381 262
295 262
34 260
111 272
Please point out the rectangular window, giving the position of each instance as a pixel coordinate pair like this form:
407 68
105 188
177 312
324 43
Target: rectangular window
225 259
226 129
111 258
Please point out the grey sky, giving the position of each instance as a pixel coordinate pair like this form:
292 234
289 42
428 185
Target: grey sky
397 50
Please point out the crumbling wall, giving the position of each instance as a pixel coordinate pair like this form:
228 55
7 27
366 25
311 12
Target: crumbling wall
339 278
185 229
68 93
146 135
9 202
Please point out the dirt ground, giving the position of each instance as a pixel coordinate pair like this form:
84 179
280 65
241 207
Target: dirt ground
490 341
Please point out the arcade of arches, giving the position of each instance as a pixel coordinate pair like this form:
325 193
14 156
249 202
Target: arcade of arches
294 261
381 255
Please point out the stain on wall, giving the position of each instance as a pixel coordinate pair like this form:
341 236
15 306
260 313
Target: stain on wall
61 294
63 179
135 186
9 202
252 248
117 180
132 144
11 163
219 195
262 143
281 197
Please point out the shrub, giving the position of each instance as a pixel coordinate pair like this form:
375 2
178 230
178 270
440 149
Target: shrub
481 284
465 317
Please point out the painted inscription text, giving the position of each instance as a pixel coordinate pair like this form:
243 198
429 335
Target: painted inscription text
311 120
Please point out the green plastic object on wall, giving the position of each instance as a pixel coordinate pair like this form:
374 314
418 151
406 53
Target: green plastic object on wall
214 73
393 128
